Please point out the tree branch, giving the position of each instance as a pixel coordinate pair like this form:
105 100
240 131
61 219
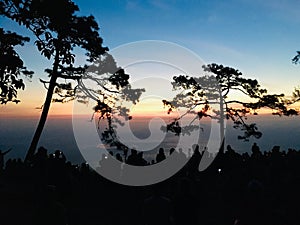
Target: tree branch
69 77
235 101
99 83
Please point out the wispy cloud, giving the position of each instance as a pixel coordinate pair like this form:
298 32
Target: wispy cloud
160 4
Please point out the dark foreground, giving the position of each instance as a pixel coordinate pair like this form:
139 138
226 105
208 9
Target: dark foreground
261 188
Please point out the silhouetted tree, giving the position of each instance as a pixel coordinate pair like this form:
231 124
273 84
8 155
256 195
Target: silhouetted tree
296 58
296 93
112 96
199 94
58 30
11 66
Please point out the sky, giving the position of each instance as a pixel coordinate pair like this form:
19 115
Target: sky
257 37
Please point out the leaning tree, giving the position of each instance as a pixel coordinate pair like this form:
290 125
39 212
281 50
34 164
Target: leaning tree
58 31
210 95
11 66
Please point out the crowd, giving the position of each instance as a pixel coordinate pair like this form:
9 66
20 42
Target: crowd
257 188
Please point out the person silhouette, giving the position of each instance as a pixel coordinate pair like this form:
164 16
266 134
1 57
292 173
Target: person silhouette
2 154
40 168
133 159
160 156
141 160
255 149
181 155
172 150
119 157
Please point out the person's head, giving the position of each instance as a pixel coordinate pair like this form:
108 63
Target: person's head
57 153
161 151
133 152
276 149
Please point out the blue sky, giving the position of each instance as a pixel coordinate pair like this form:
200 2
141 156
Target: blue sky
257 37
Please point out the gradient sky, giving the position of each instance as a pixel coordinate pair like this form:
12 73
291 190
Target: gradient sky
257 37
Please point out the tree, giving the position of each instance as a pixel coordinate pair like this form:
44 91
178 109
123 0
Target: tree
58 31
296 58
198 95
112 96
296 93
11 66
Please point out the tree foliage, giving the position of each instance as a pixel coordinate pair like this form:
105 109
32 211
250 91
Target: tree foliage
198 95
58 30
296 58
11 66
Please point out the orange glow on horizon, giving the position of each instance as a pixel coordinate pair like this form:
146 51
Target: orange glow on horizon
152 107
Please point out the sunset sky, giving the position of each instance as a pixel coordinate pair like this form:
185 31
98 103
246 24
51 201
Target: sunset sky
257 37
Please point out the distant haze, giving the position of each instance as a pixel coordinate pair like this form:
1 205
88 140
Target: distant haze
16 133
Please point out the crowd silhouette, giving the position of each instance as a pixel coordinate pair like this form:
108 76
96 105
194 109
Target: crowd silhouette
260 187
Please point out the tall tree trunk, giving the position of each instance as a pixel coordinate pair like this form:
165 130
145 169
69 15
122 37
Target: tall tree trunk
46 107
222 125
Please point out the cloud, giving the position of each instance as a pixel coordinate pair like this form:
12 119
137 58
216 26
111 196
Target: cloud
160 4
